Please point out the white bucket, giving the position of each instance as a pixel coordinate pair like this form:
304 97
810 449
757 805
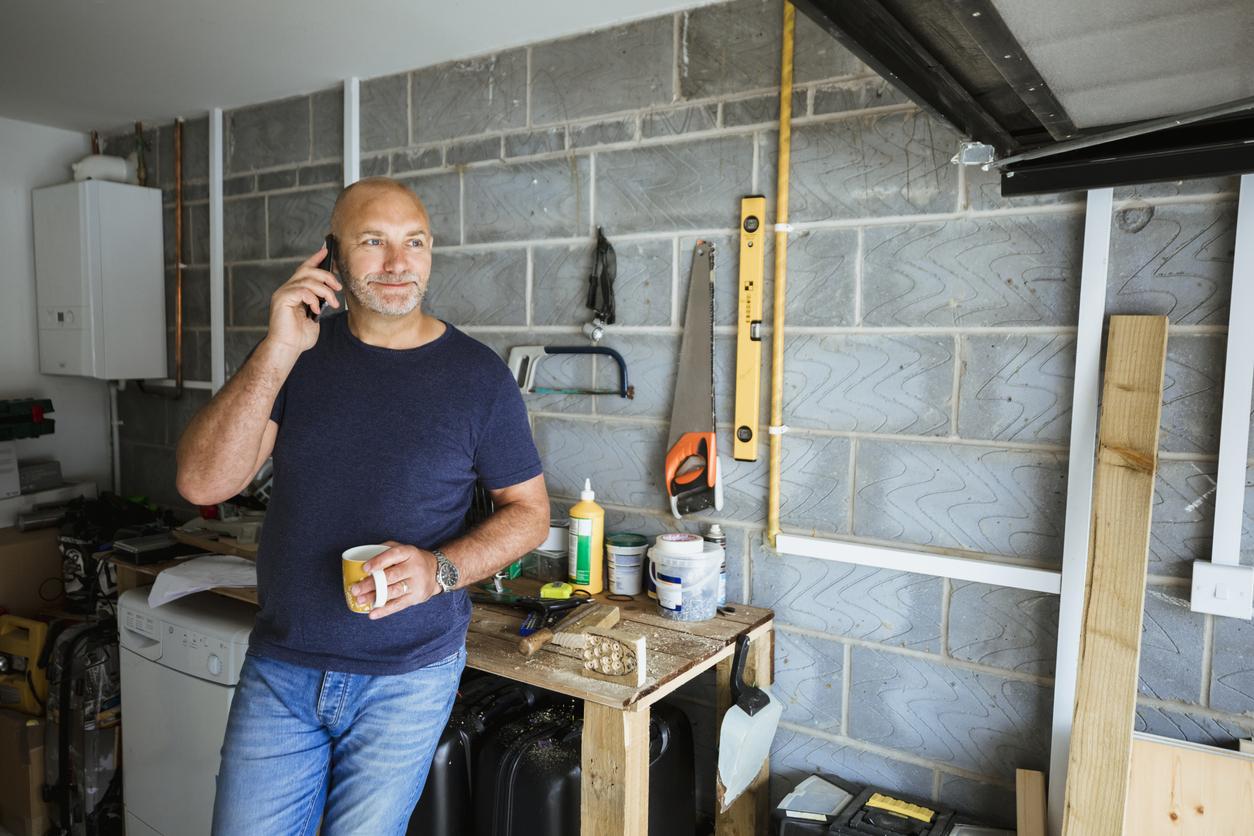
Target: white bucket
686 576
624 553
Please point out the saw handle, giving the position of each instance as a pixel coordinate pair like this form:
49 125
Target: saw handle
688 491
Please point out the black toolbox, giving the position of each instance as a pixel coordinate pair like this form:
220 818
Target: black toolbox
527 781
483 703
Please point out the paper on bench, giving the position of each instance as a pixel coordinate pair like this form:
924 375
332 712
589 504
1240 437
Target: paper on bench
199 574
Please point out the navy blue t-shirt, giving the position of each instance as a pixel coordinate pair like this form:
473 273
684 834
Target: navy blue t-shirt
379 444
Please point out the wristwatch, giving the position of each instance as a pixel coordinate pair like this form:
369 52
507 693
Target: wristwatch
446 573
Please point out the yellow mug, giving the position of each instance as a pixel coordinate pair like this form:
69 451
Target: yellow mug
353 563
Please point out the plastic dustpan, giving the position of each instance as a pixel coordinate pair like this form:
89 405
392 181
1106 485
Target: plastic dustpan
748 729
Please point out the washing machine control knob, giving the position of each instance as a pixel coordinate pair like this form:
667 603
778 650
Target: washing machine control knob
215 664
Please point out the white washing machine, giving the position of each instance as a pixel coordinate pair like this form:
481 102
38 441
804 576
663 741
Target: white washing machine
180 664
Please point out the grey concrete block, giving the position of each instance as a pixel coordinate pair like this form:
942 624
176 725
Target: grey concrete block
983 191
239 185
1174 261
844 599
1171 646
1002 627
385 112
141 417
167 235
894 163
681 120
758 110
1020 270
526 200
976 721
149 471
180 412
195 297
809 677
603 133
328 124
556 371
856 95
1016 387
416 159
317 175
441 193
983 801
464 98
1183 517
821 267
1196 728
684 185
623 460
244 228
886 384
543 141
473 151
378 166
271 180
733 47
642 287
725 382
275 133
814 483
796 756
196 233
240 342
252 285
298 221
744 483
623 68
1232 667
1192 394
1007 502
196 346
652 362
479 288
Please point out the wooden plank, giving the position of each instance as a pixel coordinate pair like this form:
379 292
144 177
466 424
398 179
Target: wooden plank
1030 802
614 786
221 545
1186 789
137 575
1127 457
750 813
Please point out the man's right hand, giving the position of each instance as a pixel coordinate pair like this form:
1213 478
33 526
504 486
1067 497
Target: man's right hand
290 325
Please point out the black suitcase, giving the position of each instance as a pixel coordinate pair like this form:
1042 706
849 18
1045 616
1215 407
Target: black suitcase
483 703
527 782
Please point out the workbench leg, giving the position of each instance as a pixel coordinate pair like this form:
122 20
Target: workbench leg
749 815
614 786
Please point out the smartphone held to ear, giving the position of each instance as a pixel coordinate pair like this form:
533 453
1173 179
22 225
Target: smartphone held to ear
328 264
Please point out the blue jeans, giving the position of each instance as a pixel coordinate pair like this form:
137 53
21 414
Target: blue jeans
349 750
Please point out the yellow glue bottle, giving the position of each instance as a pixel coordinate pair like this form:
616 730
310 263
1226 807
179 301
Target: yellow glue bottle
587 537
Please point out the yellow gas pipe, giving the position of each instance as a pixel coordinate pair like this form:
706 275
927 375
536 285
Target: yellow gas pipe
781 273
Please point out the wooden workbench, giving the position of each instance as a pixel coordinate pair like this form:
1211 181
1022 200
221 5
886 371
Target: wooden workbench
615 765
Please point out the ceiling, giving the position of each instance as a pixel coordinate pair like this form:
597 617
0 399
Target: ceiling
92 64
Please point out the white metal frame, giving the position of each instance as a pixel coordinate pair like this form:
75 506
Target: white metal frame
352 131
217 279
1069 583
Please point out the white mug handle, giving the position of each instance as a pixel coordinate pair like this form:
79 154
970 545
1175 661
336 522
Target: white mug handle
380 588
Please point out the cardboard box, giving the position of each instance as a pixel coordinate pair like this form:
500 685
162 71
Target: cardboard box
30 564
22 808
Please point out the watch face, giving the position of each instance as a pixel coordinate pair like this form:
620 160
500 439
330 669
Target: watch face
446 573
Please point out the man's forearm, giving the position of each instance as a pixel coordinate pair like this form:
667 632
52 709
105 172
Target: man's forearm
218 451
510 532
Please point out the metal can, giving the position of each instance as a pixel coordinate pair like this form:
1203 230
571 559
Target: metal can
714 534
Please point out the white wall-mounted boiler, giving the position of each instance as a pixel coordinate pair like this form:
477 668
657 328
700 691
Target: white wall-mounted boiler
100 281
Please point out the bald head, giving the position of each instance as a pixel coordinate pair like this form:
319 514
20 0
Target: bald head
356 201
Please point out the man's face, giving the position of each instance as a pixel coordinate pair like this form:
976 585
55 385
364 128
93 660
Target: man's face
385 251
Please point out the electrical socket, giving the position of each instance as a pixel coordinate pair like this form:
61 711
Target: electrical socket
1223 589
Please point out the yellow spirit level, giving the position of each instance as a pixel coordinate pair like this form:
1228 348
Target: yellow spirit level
749 328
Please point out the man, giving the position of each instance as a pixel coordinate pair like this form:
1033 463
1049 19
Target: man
380 421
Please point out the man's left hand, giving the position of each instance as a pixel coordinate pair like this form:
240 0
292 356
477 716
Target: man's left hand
410 573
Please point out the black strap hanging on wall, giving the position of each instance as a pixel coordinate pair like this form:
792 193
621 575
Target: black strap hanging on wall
601 282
